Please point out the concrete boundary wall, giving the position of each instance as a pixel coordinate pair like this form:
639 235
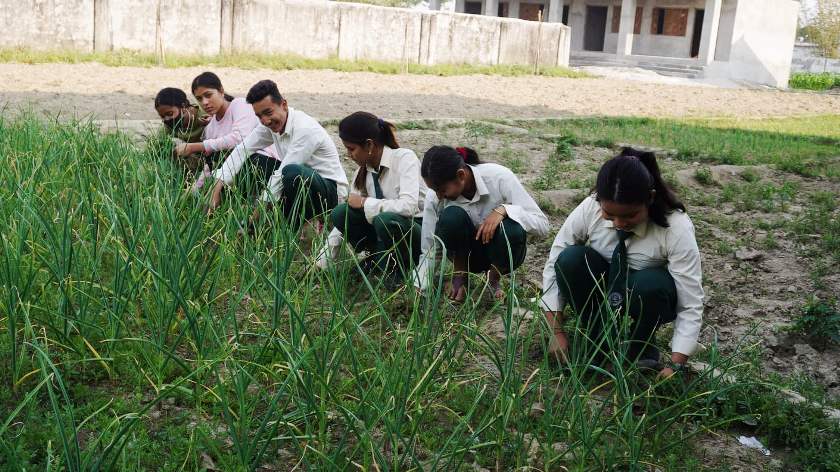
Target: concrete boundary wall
315 29
47 24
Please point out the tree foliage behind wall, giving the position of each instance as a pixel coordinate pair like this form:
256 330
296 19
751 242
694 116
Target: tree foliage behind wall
387 3
824 29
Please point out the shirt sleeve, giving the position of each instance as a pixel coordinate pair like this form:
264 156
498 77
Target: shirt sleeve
425 268
300 151
684 267
353 189
244 122
407 202
259 138
522 207
575 230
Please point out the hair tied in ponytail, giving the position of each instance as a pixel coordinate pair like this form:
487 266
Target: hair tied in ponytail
462 151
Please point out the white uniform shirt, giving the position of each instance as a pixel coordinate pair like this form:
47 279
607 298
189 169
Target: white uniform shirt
403 190
495 186
303 141
650 246
237 123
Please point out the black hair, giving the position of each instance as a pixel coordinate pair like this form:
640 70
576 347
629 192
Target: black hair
262 89
211 81
441 163
362 126
173 97
629 177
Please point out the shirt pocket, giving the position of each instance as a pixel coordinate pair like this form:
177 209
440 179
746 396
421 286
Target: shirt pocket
647 256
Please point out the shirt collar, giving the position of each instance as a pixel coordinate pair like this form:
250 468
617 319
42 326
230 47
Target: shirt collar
385 161
290 123
480 186
639 231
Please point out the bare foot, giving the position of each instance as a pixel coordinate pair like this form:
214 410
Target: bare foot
494 279
558 346
458 289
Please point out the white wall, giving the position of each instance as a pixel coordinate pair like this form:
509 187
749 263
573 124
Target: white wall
761 48
47 24
807 58
309 28
186 26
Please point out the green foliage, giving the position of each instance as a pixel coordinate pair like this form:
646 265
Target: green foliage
386 3
767 197
814 81
819 321
141 335
804 145
553 169
704 176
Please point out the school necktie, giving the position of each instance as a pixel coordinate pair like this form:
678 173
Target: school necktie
377 189
617 282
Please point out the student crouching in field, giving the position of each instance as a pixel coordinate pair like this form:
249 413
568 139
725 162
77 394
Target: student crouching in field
481 213
231 119
310 180
183 122
627 256
385 205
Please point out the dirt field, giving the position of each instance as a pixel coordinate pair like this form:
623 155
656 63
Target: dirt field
127 93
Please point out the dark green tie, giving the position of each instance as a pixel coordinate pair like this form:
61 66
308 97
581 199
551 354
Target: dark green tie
617 282
377 189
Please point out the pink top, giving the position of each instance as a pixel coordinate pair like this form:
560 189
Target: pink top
227 133
238 122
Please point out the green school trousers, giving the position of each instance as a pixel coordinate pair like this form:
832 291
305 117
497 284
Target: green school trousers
457 232
389 233
305 193
581 275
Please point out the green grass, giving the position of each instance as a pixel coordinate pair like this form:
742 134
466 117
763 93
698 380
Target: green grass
139 335
812 81
272 62
807 145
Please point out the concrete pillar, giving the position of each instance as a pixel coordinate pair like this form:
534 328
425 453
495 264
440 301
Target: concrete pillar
460 6
577 22
555 11
226 29
513 8
625 28
708 37
491 7
102 40
434 4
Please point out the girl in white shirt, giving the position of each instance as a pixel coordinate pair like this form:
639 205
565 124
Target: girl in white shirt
627 251
383 211
231 120
481 213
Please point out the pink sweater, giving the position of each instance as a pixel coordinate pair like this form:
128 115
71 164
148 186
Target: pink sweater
227 133
238 122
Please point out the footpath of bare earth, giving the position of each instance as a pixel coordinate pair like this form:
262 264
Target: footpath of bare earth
127 93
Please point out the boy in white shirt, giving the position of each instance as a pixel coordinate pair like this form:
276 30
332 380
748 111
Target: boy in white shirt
310 180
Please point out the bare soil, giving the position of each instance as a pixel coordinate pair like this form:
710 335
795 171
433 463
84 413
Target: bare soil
128 92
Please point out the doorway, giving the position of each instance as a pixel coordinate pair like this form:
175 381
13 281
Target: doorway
698 32
595 28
